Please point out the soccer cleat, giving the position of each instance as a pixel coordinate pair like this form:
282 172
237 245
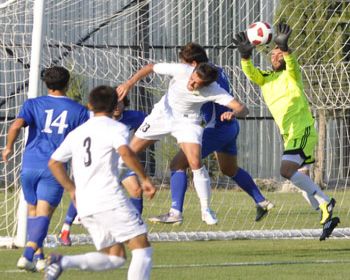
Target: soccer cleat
53 269
262 210
168 218
40 265
64 238
326 211
328 228
23 263
209 217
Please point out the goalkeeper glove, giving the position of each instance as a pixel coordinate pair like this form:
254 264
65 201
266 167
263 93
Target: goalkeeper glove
243 45
283 33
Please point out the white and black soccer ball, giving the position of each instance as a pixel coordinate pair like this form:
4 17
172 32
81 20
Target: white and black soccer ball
260 33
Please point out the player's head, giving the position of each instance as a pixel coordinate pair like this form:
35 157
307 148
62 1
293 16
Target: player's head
121 107
277 61
56 78
203 75
103 99
193 53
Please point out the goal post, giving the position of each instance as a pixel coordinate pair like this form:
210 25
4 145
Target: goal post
105 42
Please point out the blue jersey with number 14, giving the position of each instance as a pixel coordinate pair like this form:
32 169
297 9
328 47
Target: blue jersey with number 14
50 118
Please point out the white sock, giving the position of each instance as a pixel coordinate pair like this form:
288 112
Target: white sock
201 183
65 227
311 200
305 183
141 264
94 261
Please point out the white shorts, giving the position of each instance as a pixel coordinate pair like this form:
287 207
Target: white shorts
186 129
114 226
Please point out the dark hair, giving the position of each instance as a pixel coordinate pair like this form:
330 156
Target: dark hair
207 72
103 99
193 52
56 78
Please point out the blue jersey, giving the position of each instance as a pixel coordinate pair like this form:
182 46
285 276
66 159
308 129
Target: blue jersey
132 119
50 118
211 111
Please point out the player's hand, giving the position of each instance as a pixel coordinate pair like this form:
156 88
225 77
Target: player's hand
149 190
282 36
5 154
227 116
123 90
243 45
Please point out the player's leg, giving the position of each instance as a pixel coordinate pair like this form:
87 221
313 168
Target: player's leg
178 187
229 167
299 151
64 236
141 258
201 180
131 184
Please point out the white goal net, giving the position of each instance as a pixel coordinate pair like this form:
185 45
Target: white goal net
105 41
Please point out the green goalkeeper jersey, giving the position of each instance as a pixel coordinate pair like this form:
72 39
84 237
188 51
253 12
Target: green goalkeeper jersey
283 93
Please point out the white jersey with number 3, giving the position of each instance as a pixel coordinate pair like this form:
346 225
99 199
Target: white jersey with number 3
92 147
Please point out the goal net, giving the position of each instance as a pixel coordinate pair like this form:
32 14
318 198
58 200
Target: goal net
105 42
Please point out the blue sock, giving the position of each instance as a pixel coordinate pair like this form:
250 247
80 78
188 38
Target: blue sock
245 181
37 230
178 187
71 214
138 203
29 253
39 256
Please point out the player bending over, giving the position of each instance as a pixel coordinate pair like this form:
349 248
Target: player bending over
178 114
104 209
49 118
132 119
283 93
219 136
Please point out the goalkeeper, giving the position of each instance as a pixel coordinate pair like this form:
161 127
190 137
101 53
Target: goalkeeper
283 93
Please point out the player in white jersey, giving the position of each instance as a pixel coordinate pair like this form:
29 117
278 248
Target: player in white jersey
178 114
102 204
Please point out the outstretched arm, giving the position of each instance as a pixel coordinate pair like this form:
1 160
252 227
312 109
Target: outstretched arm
239 109
123 89
12 135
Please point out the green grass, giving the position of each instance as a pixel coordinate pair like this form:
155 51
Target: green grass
238 259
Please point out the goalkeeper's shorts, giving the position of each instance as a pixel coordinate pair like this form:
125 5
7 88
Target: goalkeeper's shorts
303 144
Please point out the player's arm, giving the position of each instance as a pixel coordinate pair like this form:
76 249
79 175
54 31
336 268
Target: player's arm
123 89
12 135
239 109
281 39
131 160
59 171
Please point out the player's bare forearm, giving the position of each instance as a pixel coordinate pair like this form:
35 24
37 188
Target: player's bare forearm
12 135
123 89
59 171
240 110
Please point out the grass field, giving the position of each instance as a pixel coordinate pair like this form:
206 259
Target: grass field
236 259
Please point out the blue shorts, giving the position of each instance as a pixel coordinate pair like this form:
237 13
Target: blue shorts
221 139
39 184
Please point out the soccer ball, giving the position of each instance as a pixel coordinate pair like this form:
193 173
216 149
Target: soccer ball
259 33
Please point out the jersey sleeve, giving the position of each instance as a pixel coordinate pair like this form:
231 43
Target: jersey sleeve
26 112
171 69
120 135
219 95
64 152
252 73
292 67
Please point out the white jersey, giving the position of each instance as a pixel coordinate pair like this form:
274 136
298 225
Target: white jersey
181 101
92 148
